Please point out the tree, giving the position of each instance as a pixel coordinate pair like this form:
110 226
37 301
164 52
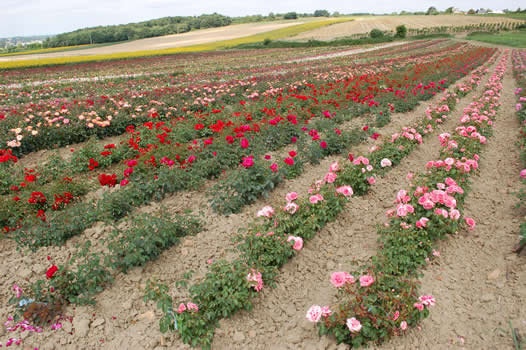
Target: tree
291 15
401 31
376 33
321 13
449 10
432 11
471 12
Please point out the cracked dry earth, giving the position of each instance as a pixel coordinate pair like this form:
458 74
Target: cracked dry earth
477 281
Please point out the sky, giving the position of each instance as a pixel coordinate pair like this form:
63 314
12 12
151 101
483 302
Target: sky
44 17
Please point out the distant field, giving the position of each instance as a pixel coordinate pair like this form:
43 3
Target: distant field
515 39
366 24
169 41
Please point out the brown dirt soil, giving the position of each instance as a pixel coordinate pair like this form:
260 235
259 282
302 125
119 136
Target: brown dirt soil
363 25
477 281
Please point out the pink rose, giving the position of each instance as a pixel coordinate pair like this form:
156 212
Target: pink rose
247 162
314 313
366 280
338 279
330 178
274 167
523 174
345 190
181 308
427 300
257 280
371 180
192 307
454 214
385 163
334 167
291 208
354 325
422 222
403 325
291 196
419 306
325 311
266 211
298 242
470 222
396 315
315 198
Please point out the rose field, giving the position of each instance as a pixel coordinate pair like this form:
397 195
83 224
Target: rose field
305 198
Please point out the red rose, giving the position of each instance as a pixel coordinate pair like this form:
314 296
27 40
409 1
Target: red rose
51 271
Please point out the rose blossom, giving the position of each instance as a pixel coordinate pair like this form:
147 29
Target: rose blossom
371 180
353 324
291 196
339 278
291 208
470 222
316 198
345 190
298 242
385 163
403 325
523 174
366 280
427 300
192 307
330 177
314 313
181 308
419 306
247 162
266 211
334 167
325 311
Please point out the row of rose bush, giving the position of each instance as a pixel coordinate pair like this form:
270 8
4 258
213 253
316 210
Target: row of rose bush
62 122
200 159
87 273
71 81
519 72
386 302
78 282
88 159
271 241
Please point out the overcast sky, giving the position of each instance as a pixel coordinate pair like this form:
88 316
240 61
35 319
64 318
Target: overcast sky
41 17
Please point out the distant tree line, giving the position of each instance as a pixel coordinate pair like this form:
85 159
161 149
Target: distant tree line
140 30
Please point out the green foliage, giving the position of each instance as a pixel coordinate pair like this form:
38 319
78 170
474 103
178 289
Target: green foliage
78 281
374 306
513 39
147 239
403 250
376 33
242 187
290 15
59 227
401 31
